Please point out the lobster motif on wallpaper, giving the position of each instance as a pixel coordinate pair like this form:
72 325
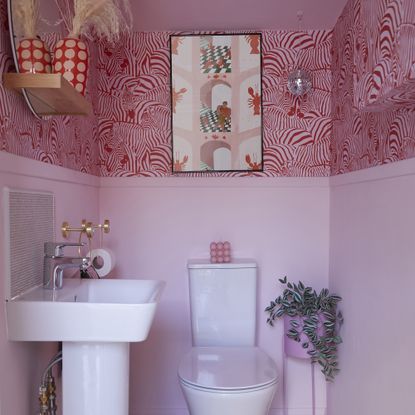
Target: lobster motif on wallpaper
179 165
252 163
254 101
176 41
253 41
177 96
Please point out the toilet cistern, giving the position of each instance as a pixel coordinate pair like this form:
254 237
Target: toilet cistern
55 262
224 372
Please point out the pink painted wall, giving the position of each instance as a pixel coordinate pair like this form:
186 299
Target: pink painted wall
372 240
76 198
64 141
223 15
373 62
134 105
159 223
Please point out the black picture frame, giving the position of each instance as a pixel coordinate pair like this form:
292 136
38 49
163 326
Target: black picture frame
213 53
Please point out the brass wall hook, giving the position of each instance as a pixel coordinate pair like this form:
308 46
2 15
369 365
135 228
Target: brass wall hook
86 227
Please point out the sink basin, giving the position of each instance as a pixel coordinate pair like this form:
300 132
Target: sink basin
95 320
85 310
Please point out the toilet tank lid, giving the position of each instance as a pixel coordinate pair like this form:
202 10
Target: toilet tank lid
236 263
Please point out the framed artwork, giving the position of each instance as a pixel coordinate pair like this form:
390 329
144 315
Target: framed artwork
216 102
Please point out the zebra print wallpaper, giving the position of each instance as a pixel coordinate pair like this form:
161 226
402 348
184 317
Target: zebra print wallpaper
134 106
358 115
64 141
373 84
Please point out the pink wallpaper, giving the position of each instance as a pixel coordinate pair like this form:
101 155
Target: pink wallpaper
134 106
64 141
373 70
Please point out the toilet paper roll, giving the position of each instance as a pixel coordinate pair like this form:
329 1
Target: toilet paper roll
103 260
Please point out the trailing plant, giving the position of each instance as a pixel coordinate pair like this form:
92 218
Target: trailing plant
314 315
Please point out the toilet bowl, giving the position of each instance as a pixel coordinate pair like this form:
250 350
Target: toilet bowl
225 373
228 380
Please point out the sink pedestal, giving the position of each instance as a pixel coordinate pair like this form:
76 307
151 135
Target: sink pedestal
96 320
95 378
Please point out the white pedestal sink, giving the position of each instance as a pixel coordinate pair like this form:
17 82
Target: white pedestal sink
96 320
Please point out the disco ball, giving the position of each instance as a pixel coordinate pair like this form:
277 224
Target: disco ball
299 82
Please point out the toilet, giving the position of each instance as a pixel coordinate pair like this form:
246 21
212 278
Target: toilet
224 372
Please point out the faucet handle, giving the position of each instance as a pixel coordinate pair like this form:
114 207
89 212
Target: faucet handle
56 248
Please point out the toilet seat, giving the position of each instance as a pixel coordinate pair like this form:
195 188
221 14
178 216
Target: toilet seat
227 369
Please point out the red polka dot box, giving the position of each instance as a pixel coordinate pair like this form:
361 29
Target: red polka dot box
71 60
33 57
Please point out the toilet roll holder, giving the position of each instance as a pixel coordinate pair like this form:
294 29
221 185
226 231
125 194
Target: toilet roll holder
87 228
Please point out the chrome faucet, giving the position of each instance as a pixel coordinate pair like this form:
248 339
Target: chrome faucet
55 263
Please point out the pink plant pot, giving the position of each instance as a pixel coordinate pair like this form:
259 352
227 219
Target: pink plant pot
71 60
33 57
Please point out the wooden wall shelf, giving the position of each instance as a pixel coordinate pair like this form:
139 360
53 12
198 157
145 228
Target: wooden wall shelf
50 94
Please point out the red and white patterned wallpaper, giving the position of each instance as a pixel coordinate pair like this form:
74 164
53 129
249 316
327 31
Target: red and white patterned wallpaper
64 141
329 132
373 84
134 106
384 50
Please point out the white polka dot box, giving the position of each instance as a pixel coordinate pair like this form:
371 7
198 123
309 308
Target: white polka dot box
71 60
33 57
